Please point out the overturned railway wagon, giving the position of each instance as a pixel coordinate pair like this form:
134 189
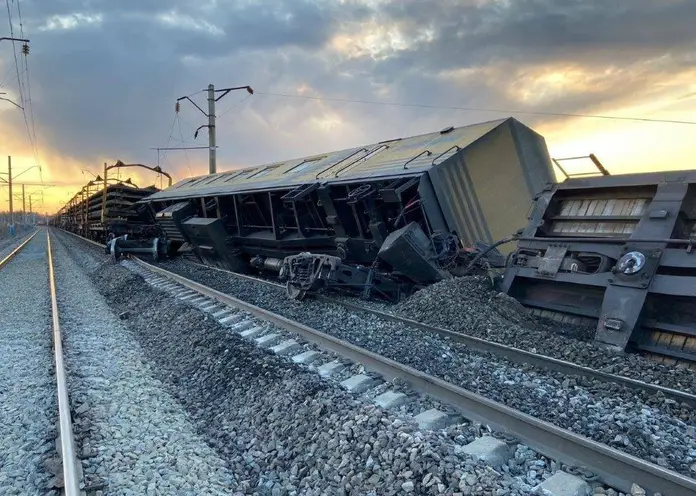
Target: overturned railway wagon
380 219
98 215
616 252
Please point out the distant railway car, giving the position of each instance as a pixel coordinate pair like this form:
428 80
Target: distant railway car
107 207
120 215
616 252
379 219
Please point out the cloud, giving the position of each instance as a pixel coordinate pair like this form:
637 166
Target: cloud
105 74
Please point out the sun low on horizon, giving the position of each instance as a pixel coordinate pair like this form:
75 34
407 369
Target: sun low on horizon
98 81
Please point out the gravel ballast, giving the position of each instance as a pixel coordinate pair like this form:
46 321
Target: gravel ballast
650 427
28 410
132 435
470 305
281 428
9 244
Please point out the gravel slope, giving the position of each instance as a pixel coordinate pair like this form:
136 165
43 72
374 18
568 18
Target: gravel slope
133 435
650 427
28 409
470 305
282 429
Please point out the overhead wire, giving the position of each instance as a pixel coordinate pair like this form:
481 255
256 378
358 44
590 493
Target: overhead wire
234 106
9 70
188 164
171 131
28 90
474 109
176 122
20 82
169 140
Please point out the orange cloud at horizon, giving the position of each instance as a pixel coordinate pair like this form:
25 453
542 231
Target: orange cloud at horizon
622 146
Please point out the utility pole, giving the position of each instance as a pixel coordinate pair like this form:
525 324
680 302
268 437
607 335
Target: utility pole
212 155
9 183
103 205
25 50
24 210
212 158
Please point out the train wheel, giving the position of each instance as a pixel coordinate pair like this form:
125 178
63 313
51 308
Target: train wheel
294 292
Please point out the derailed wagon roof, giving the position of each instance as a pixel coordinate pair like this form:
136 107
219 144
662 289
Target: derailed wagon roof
397 157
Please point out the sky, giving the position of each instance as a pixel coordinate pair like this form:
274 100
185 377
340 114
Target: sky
104 77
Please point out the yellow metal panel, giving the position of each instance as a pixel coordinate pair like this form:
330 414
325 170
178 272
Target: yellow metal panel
377 157
393 155
499 183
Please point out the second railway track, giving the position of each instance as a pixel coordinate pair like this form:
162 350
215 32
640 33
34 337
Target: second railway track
516 355
94 398
615 467
34 393
677 384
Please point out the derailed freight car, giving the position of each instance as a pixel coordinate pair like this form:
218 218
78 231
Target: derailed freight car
379 219
107 207
616 252
100 215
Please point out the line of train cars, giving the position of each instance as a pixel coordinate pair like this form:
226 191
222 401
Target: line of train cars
107 207
384 219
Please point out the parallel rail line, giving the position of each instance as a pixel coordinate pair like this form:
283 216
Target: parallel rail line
68 454
614 467
71 466
16 250
515 355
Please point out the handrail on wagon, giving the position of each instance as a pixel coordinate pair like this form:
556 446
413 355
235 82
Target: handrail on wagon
427 153
369 154
340 161
595 161
453 147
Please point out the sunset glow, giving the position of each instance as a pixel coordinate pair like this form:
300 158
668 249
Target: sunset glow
104 78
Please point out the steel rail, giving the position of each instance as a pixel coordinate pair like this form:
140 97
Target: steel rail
515 355
71 478
614 467
17 250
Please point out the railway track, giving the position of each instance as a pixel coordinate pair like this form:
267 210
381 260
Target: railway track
613 467
70 475
515 355
116 425
511 353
